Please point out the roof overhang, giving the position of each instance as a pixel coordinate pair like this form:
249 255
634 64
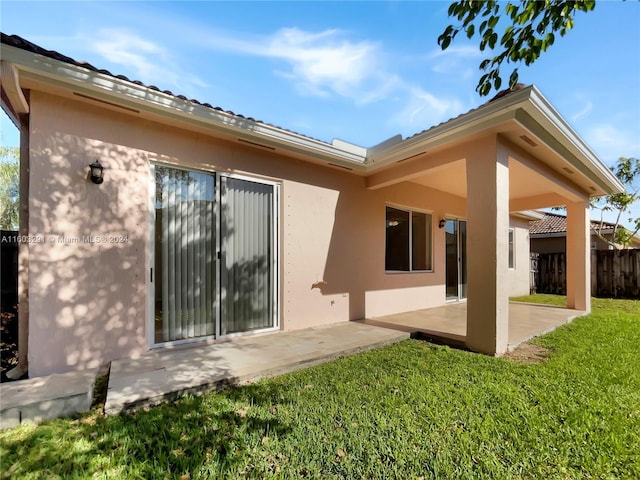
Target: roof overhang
530 215
538 124
526 109
109 90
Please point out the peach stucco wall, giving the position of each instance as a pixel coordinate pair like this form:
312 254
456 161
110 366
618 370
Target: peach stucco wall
519 275
88 301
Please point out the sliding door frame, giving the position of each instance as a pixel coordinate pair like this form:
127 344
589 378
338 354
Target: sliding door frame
275 261
218 201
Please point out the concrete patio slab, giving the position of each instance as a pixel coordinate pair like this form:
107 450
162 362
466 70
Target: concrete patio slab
168 373
41 398
449 322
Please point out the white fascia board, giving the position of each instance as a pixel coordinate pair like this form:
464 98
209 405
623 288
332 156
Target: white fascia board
528 215
564 234
540 107
130 95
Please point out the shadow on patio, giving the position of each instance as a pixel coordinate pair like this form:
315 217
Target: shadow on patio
448 324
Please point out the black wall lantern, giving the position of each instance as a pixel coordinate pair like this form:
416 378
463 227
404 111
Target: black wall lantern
442 223
96 172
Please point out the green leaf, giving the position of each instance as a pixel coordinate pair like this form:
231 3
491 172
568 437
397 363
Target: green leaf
470 31
513 78
493 40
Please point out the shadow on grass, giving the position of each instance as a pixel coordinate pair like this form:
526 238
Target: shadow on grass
200 436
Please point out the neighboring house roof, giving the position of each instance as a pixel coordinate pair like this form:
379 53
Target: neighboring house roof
536 122
555 225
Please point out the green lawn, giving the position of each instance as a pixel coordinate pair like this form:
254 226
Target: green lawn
411 410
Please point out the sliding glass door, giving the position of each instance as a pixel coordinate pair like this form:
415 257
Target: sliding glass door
214 269
456 259
185 251
247 234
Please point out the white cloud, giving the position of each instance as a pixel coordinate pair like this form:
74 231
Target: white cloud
148 61
611 142
319 63
424 110
455 60
585 110
323 64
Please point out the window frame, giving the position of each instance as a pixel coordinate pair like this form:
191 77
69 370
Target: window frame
429 238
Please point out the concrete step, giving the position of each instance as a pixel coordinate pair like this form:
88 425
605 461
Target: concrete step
166 373
38 399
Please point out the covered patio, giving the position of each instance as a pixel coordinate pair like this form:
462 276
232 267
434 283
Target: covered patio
448 323
512 155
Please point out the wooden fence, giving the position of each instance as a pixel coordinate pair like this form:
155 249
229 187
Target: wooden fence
614 273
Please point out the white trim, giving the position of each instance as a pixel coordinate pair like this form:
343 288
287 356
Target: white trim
528 215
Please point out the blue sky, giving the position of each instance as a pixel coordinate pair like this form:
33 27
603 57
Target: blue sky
358 71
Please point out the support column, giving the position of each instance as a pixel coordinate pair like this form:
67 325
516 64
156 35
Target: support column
578 256
488 248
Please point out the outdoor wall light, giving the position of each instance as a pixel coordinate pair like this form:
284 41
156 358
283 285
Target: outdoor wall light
96 172
442 223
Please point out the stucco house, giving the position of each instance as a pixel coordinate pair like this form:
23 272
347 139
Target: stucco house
549 234
208 224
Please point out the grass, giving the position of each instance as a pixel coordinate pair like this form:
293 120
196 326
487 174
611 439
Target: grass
411 410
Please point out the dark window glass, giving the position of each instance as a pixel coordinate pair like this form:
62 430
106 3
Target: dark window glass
397 247
408 240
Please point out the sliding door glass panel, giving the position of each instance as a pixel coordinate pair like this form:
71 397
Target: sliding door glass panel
397 241
185 245
451 242
419 241
247 270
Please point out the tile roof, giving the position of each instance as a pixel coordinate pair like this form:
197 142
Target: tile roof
555 223
19 42
499 95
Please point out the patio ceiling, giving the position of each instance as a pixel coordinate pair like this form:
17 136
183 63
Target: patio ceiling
525 183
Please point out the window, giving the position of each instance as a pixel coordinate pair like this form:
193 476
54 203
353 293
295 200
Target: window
511 248
408 240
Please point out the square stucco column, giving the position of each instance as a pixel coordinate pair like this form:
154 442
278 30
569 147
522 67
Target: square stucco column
578 256
488 248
